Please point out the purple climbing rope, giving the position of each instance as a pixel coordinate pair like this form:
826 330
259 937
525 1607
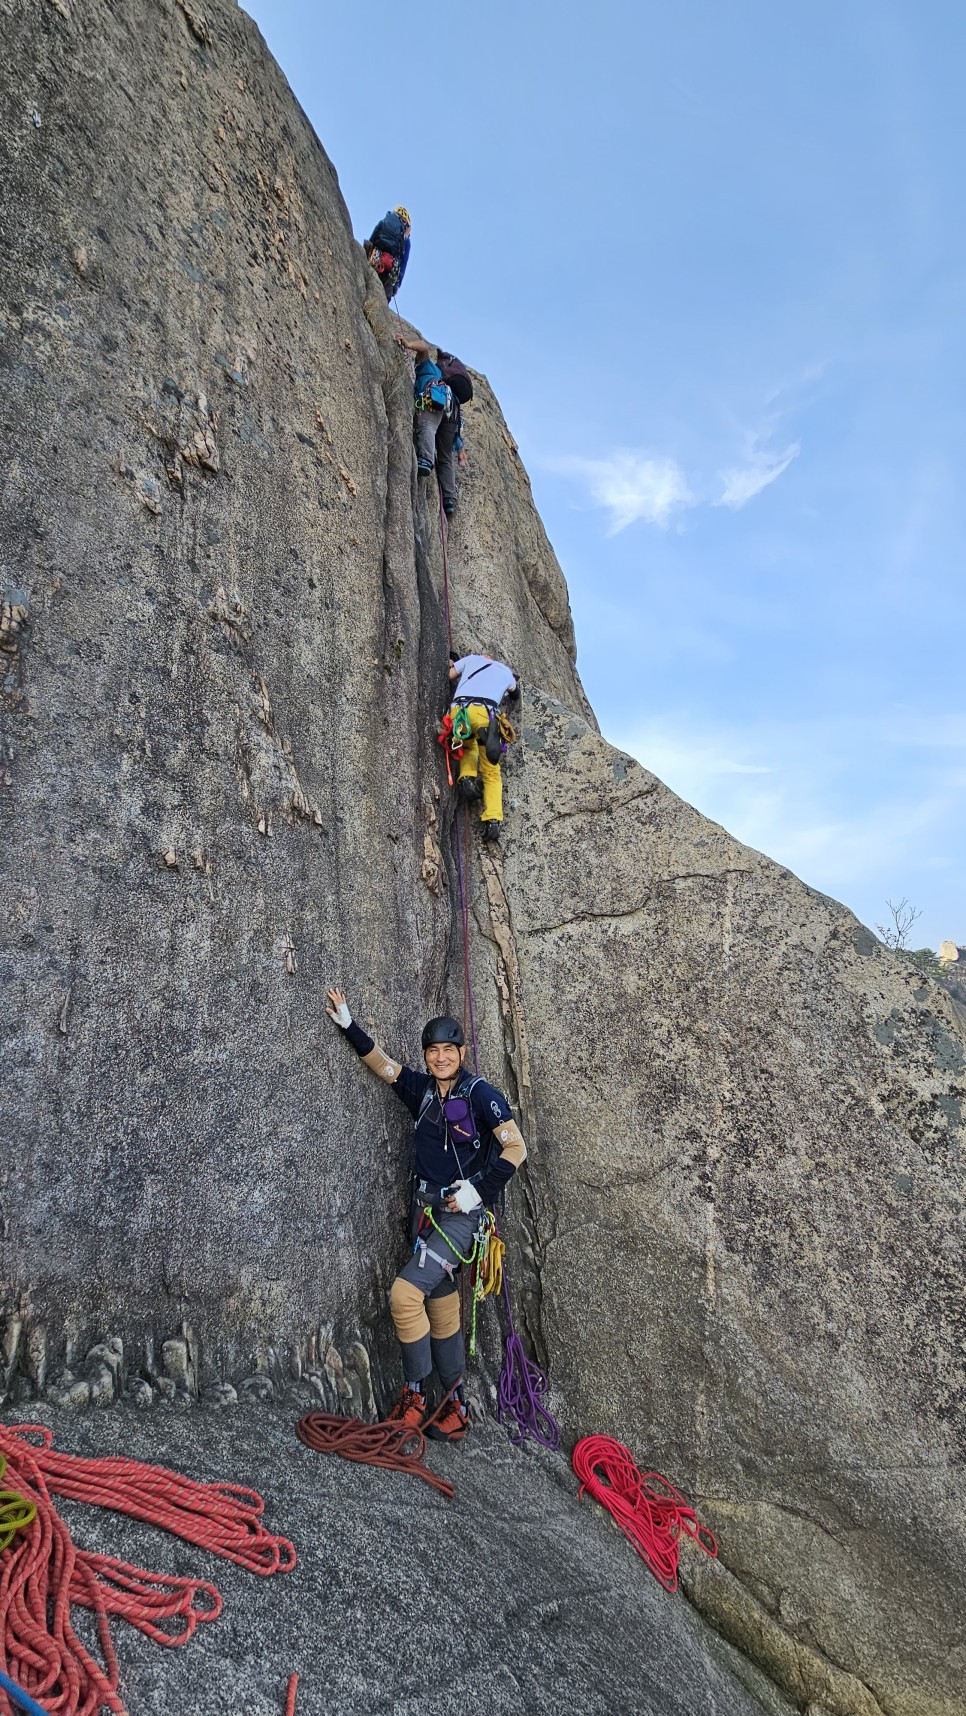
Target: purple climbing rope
523 1384
522 1389
442 538
462 871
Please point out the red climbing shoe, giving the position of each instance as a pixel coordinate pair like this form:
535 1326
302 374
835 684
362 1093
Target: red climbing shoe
452 1423
408 1410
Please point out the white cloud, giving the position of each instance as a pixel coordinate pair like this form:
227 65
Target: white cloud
633 486
761 467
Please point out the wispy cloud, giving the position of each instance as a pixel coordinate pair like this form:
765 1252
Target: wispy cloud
761 467
632 486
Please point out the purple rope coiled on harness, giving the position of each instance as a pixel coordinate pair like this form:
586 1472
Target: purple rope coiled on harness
522 1388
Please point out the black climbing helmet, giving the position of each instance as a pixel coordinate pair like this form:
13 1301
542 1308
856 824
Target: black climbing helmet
443 1030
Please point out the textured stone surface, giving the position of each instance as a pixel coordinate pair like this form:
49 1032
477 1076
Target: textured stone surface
222 650
747 1203
513 1596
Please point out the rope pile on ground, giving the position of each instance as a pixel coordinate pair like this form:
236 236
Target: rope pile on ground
522 1389
43 1573
648 1509
396 1446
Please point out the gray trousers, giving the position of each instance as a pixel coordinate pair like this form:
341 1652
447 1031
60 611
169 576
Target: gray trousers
435 437
434 1270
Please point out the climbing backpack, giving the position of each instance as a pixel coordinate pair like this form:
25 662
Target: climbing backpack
456 375
389 238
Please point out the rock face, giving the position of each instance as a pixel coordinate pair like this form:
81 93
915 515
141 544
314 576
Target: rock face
739 1238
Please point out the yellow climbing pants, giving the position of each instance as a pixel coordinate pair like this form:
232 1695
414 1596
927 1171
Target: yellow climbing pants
475 761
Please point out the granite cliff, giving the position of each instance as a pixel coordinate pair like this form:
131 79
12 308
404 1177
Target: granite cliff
739 1235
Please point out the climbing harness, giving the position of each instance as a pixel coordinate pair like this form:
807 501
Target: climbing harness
45 1574
396 1446
435 396
648 1509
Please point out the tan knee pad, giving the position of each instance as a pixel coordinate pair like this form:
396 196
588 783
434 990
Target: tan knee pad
444 1315
408 1307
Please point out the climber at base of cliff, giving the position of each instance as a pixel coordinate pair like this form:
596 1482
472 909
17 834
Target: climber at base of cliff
481 685
467 1148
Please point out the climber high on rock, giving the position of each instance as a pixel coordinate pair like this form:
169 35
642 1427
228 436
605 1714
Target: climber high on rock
481 685
467 1148
387 248
442 387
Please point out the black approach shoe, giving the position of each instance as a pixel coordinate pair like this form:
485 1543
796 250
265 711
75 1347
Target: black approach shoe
491 831
471 789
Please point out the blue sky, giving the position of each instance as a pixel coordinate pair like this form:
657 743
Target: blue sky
712 260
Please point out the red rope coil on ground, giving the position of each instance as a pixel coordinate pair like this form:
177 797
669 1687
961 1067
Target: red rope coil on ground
44 1572
648 1509
395 1446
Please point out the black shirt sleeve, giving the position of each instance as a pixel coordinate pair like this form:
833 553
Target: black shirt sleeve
361 1042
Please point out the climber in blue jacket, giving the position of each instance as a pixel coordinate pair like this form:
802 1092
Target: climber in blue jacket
387 248
467 1148
438 420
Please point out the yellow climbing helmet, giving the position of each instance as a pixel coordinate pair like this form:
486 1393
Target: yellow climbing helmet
403 214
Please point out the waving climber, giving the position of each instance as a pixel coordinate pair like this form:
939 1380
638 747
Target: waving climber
387 248
443 387
467 1147
481 685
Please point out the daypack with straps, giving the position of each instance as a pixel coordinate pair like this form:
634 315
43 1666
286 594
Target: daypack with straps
456 375
389 235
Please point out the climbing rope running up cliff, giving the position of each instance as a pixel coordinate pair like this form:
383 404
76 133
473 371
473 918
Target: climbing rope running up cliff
523 1386
442 538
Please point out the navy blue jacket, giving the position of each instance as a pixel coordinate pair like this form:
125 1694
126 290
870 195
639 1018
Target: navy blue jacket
440 1157
388 235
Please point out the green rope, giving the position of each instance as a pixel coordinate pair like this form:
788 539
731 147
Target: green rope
428 1213
16 1513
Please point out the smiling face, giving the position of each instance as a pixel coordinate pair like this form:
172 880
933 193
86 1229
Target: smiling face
444 1060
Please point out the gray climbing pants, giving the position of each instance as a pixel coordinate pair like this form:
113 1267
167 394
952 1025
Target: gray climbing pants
435 438
425 1301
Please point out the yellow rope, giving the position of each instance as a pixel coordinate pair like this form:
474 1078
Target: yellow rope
15 1513
490 1275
